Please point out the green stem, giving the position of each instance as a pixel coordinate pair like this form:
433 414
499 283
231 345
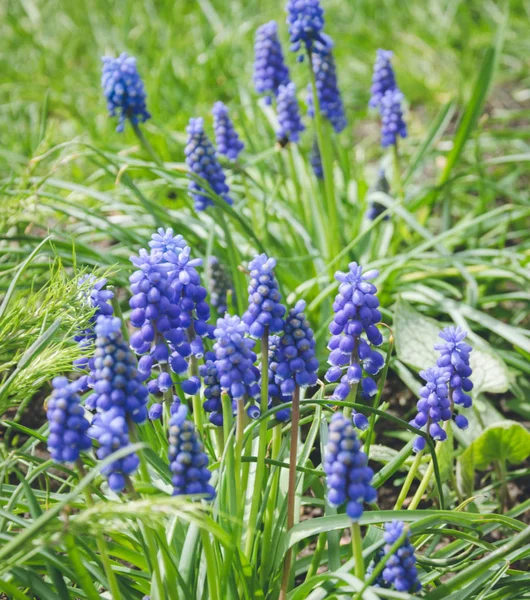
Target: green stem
233 482
146 145
408 481
291 494
83 577
357 549
211 565
297 187
262 444
238 452
423 486
327 167
112 582
317 556
396 172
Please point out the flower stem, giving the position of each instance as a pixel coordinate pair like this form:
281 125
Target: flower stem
423 486
83 577
408 481
357 549
146 145
114 588
262 444
291 494
211 565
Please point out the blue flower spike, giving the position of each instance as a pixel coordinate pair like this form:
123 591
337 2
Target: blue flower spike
290 124
124 90
305 19
270 71
226 137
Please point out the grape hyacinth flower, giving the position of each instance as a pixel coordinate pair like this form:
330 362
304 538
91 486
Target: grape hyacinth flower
316 160
212 389
220 284
356 312
187 460
117 381
124 90
392 123
165 240
348 477
201 159
433 406
275 393
68 425
96 296
306 22
376 208
383 78
297 363
329 98
454 359
234 358
226 138
270 70
290 124
265 309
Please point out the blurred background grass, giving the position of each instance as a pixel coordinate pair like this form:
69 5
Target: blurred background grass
192 53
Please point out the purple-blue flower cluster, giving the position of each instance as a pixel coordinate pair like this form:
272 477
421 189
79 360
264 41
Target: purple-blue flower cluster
306 22
400 569
348 477
169 309
392 123
270 70
124 90
212 389
67 423
234 358
187 460
119 397
356 312
96 296
275 393
388 98
297 364
226 138
220 285
433 406
265 309
316 160
329 98
289 121
202 162
383 78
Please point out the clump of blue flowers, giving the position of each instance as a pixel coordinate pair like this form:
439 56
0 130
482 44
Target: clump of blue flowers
348 477
234 358
265 309
297 364
202 162
212 389
226 137
270 70
383 78
392 123
188 461
220 285
305 19
329 98
356 312
124 90
67 423
289 121
400 569
275 393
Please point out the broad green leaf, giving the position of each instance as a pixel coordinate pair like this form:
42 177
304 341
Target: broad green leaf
416 336
503 441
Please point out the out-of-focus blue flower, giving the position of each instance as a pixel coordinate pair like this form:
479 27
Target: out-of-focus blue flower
234 358
201 159
264 299
329 98
400 569
376 208
433 406
226 138
356 311
68 425
276 396
212 389
392 123
187 460
220 285
270 70
348 477
306 21
383 78
289 121
316 160
124 90
297 364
